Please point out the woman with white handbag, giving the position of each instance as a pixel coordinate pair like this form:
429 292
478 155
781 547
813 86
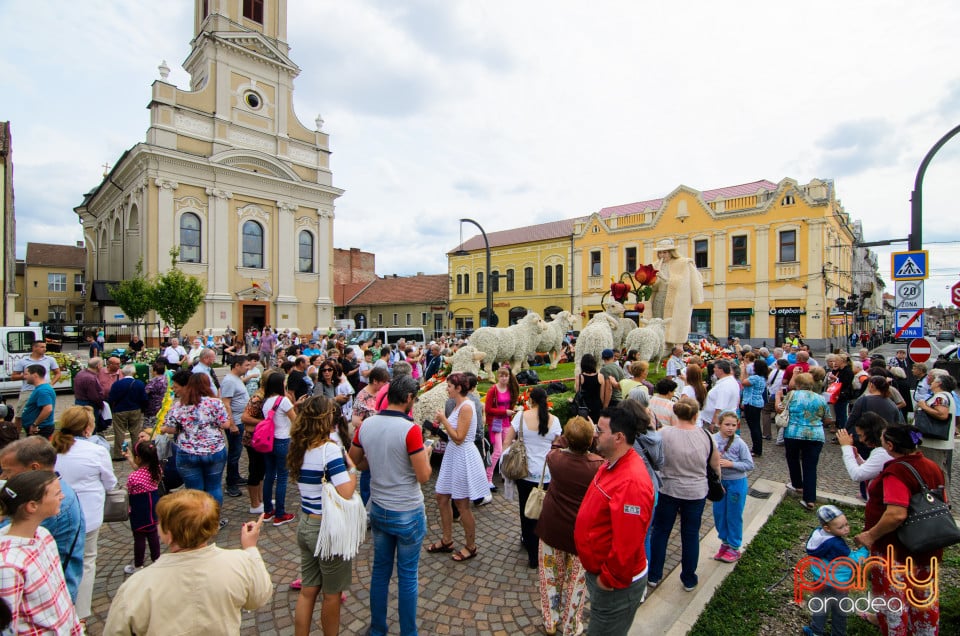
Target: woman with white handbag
87 468
329 532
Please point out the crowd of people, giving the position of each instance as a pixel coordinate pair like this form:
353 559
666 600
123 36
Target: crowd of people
597 501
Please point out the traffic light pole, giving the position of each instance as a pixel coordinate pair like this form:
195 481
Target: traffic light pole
916 197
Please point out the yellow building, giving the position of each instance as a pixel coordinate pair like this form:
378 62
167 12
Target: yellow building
229 176
54 283
530 271
773 256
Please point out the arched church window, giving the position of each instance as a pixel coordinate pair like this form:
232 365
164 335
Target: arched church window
252 245
306 251
190 238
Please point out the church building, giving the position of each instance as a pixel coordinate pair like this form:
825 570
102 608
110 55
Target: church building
229 177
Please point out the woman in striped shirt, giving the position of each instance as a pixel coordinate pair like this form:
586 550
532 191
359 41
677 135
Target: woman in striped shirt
313 457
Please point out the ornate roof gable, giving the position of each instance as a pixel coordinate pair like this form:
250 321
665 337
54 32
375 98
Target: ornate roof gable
257 46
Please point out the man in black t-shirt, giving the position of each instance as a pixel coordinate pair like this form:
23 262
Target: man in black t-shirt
296 381
351 368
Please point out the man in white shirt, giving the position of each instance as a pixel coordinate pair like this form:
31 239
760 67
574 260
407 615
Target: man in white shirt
675 365
724 396
174 354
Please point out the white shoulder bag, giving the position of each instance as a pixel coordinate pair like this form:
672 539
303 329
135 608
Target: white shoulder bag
344 524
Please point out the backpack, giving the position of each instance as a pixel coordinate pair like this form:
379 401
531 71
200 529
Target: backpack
262 440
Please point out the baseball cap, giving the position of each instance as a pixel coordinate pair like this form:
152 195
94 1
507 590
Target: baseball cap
607 353
828 513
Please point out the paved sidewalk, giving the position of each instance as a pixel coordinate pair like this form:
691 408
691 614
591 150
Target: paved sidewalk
493 594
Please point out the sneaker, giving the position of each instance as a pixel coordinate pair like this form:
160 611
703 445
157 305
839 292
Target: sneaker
223 522
689 588
267 516
731 556
653 583
487 499
283 519
296 584
257 510
721 552
130 569
233 491
242 481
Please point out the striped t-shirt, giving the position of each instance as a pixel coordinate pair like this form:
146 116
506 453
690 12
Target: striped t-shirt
326 457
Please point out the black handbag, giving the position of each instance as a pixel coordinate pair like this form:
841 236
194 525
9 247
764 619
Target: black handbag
715 491
934 429
929 525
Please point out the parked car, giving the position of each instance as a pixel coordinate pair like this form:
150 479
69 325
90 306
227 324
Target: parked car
696 336
945 334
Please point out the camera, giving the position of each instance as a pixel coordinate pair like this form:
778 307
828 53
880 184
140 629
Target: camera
583 411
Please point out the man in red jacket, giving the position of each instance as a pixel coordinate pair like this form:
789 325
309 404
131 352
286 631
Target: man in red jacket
611 527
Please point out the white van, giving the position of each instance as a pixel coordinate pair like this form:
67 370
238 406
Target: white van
16 343
387 335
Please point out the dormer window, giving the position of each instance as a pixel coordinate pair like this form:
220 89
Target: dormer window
253 10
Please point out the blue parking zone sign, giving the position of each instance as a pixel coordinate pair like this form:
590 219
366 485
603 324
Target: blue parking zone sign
915 330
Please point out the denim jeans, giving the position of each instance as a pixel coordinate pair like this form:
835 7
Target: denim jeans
276 463
203 472
803 455
397 534
830 599
664 516
612 611
365 486
728 512
234 451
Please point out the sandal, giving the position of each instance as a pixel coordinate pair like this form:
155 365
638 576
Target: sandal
459 556
440 546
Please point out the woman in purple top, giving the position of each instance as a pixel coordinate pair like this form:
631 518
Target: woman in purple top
156 389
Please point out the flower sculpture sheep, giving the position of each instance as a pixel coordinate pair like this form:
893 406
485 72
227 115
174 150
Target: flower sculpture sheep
551 340
624 325
464 359
596 336
650 339
510 344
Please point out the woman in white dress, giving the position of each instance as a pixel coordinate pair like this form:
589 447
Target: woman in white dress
462 477
87 468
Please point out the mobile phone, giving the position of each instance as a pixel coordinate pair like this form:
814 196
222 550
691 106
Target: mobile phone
125 446
427 443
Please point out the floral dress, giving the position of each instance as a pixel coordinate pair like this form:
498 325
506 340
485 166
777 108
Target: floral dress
199 426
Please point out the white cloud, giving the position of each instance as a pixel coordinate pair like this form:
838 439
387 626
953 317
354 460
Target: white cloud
521 112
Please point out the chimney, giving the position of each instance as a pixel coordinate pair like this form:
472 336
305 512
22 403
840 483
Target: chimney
80 244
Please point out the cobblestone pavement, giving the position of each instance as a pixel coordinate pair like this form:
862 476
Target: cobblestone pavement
493 594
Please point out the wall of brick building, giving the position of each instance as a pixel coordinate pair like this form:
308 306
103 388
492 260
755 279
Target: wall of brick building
353 266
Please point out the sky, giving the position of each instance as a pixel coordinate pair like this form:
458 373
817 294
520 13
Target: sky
516 113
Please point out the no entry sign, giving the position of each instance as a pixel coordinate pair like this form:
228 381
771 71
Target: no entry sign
919 350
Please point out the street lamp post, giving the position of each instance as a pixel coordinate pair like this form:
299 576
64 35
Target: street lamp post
848 306
491 318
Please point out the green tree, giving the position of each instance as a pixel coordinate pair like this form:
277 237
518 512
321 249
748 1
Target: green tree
176 296
134 296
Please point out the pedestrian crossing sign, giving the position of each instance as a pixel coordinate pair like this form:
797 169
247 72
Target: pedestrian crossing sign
910 265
